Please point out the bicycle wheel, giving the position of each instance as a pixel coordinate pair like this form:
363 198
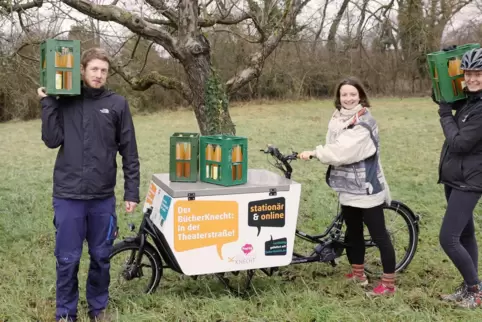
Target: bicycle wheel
403 232
128 271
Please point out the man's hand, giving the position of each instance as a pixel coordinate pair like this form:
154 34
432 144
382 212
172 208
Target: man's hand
41 92
130 206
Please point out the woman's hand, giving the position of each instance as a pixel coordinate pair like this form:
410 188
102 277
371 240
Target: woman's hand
445 109
306 155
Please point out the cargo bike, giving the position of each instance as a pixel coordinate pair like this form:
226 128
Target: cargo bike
199 229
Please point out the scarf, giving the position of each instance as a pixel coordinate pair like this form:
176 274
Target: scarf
341 119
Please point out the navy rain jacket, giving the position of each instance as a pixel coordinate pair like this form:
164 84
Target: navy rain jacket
90 129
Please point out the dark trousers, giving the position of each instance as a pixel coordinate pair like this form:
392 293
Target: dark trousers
76 221
457 234
375 222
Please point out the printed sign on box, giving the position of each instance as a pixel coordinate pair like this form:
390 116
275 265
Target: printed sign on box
267 213
275 247
150 196
204 223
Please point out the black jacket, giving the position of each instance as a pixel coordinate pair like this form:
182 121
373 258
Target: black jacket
90 129
461 157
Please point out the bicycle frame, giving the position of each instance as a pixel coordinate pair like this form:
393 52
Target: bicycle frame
147 228
329 244
331 234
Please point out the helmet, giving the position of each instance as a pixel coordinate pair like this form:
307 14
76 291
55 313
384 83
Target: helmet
472 60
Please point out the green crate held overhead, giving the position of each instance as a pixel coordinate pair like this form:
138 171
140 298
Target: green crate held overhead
447 77
60 67
223 160
184 157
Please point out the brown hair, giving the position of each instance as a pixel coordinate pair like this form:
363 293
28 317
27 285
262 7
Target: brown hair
94 53
353 81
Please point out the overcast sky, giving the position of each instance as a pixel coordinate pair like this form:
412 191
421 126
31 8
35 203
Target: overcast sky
312 13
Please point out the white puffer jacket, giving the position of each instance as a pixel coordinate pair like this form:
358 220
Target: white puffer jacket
349 145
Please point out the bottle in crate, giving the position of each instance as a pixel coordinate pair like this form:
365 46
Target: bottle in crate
223 159
447 77
60 67
184 157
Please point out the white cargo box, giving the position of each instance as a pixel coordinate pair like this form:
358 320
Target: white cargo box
213 229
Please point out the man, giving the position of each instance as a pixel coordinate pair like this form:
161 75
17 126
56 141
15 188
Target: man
89 129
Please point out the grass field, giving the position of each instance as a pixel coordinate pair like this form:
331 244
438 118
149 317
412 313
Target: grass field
411 141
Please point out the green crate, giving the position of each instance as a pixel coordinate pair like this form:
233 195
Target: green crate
60 66
184 168
228 169
446 86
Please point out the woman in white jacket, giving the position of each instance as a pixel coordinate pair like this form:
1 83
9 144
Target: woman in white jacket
355 172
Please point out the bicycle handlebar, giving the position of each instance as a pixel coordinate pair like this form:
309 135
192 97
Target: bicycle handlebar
284 159
271 149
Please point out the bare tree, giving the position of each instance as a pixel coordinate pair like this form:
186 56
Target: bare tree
179 30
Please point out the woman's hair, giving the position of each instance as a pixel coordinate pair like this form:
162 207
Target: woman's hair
357 84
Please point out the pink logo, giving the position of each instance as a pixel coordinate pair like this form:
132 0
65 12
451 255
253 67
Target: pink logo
247 249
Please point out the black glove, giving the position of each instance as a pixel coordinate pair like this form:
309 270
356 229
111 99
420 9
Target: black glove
449 48
445 109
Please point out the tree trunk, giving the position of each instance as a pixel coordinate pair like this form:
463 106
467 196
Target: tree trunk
206 91
207 96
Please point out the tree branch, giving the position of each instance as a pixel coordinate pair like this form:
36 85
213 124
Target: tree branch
256 60
129 20
206 22
9 8
230 19
142 83
164 9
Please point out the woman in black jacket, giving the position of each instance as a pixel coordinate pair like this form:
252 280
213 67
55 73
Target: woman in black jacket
460 172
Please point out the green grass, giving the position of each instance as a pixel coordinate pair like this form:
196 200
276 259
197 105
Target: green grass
411 141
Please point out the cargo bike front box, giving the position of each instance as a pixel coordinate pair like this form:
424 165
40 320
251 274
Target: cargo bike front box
213 229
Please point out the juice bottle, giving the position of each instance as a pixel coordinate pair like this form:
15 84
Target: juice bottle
209 157
68 63
179 156
459 82
57 59
187 156
454 70
59 62
239 167
69 59
233 160
58 80
216 167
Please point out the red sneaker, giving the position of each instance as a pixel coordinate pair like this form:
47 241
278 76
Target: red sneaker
381 289
363 281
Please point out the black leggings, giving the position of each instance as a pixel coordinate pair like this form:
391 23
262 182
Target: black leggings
375 222
457 234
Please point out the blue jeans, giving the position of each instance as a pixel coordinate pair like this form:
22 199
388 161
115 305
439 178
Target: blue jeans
76 221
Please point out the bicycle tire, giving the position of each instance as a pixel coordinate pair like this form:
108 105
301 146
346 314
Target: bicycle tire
403 211
152 255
